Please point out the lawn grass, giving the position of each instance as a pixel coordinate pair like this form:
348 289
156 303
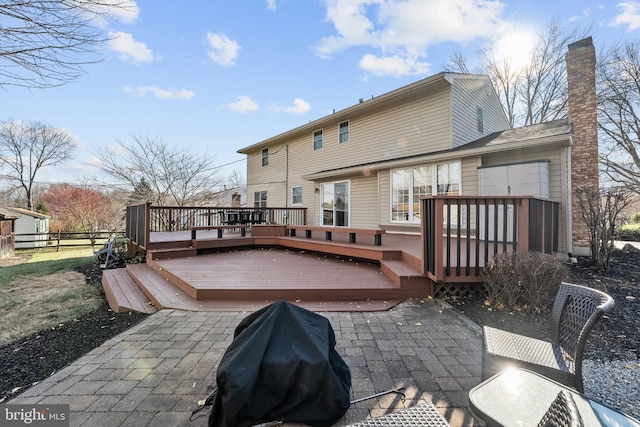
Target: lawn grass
631 227
43 291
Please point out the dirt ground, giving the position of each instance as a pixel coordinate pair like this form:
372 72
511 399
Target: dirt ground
617 336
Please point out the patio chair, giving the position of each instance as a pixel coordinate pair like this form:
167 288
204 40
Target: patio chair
562 412
575 311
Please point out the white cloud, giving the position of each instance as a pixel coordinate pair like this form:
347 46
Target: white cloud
159 93
222 50
393 65
585 14
244 104
271 5
630 16
400 31
126 11
129 49
300 106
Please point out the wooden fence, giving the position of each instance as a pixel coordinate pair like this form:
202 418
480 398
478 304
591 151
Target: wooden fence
61 239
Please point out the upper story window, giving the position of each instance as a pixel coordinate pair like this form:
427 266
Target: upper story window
265 156
317 140
480 120
343 132
296 195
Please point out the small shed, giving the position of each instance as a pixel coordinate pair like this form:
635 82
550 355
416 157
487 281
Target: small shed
32 228
7 226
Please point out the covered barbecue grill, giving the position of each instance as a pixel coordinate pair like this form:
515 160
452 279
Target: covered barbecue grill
281 366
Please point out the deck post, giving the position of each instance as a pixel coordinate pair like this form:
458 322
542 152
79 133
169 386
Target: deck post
522 244
439 242
147 224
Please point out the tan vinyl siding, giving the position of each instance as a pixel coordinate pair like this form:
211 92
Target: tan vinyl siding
417 127
468 95
555 158
384 178
469 176
364 202
270 178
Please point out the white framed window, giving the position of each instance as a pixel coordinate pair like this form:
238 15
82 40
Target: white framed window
343 132
409 184
260 199
296 195
317 140
265 157
334 202
480 120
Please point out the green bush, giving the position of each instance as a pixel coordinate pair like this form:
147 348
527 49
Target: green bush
527 281
629 232
635 218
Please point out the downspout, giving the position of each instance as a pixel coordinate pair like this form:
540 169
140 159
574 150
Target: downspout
286 182
569 203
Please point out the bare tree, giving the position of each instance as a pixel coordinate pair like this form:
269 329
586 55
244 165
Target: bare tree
46 43
618 75
176 177
236 179
533 93
25 148
602 210
79 207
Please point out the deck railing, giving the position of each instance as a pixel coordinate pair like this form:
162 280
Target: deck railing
145 219
462 234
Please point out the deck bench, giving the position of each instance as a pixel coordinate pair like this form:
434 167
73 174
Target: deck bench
220 228
328 232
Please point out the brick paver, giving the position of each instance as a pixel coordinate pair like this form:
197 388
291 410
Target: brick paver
158 370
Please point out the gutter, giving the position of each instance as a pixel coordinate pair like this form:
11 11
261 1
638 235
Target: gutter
561 140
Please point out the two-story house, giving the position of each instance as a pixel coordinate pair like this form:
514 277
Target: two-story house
368 165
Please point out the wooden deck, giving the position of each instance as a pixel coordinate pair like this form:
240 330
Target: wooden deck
231 273
157 293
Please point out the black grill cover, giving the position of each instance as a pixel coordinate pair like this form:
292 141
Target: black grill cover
281 366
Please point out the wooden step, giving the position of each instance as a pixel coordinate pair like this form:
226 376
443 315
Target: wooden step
123 294
404 275
171 253
165 295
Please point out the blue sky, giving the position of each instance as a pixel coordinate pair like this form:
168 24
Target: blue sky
216 76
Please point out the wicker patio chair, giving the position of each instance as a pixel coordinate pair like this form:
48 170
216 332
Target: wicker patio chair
562 413
576 310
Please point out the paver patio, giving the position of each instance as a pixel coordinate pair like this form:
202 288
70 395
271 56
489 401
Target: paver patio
155 372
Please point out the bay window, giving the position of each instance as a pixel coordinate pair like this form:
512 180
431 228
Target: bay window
408 185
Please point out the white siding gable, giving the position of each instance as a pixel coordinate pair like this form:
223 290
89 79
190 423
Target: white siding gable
468 94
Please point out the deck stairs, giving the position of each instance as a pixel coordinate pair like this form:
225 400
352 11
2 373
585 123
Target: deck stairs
150 286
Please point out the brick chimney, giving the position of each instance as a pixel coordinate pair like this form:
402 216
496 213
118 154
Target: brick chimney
581 79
